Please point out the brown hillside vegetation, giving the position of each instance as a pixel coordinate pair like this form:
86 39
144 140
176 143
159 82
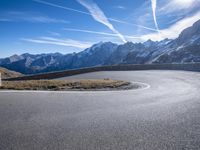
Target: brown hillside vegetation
55 85
5 73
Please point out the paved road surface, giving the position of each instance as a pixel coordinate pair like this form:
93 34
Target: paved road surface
165 116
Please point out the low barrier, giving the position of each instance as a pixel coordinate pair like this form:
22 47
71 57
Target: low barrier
65 73
0 80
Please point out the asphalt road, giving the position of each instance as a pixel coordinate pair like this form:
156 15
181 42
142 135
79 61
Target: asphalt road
164 116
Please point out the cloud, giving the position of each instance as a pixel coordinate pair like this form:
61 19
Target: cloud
15 16
154 5
174 30
101 33
178 5
43 19
142 15
120 7
54 33
99 16
132 24
173 9
4 20
60 42
86 13
62 7
89 31
171 32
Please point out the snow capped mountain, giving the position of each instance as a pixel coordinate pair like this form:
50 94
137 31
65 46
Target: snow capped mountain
186 48
190 35
95 55
139 53
30 64
118 55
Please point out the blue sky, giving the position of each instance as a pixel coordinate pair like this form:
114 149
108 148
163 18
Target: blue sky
65 26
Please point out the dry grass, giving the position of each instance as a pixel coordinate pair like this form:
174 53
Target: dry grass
62 85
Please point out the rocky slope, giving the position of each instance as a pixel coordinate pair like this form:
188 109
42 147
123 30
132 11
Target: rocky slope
186 48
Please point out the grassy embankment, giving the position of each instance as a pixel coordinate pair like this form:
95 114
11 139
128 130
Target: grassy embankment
63 85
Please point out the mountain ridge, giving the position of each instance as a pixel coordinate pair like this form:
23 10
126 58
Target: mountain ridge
185 48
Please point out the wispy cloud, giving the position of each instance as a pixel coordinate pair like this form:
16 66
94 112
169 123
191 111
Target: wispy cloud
167 13
154 5
15 16
132 24
86 13
54 33
89 31
174 30
99 16
120 7
101 33
43 19
4 20
173 9
62 7
179 5
60 42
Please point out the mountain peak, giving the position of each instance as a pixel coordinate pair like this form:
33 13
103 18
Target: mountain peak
189 33
149 43
15 58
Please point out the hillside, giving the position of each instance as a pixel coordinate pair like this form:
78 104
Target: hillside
5 73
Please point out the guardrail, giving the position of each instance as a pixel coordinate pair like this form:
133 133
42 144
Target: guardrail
59 74
0 80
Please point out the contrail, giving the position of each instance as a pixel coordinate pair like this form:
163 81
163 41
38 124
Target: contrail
62 42
153 5
100 33
86 13
131 24
99 16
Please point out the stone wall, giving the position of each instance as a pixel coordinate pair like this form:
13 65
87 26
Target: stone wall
59 74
